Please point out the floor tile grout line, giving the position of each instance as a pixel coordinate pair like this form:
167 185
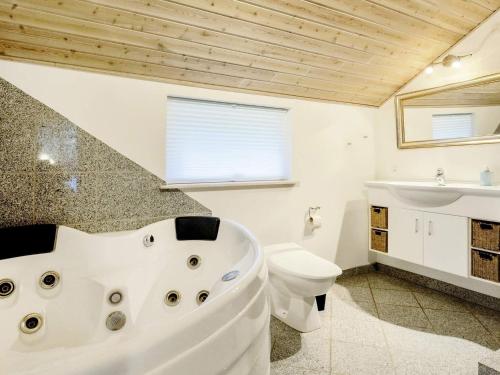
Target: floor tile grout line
442 291
393 304
450 310
485 327
330 346
391 357
488 330
358 343
467 311
423 311
481 323
460 300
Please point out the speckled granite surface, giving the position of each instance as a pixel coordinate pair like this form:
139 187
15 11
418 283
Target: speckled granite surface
490 365
376 324
357 271
51 171
441 286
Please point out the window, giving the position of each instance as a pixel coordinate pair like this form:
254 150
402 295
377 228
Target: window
454 125
224 142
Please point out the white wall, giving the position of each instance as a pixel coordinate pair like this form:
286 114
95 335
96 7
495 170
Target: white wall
332 153
460 162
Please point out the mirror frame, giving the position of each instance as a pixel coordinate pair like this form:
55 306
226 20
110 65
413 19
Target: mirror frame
402 144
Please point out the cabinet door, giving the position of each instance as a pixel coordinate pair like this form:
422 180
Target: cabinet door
406 235
445 243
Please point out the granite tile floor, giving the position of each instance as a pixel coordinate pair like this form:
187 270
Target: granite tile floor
378 324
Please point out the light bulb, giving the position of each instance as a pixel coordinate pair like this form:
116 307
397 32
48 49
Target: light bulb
429 69
456 64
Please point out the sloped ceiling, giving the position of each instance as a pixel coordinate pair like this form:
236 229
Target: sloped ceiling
353 51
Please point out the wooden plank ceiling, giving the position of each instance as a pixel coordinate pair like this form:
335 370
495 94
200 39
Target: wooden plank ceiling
481 95
352 51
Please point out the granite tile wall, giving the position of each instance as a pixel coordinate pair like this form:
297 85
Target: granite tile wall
51 171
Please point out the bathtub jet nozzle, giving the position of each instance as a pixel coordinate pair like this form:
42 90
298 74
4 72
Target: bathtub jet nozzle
7 287
202 296
172 298
31 323
193 262
49 280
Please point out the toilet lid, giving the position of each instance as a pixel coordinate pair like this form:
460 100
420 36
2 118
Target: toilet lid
304 264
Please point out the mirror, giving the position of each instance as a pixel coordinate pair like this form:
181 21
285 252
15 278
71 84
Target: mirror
451 115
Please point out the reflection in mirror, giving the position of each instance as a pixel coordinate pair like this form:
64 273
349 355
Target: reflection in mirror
461 113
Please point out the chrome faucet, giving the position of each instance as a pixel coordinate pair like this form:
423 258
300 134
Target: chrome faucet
440 179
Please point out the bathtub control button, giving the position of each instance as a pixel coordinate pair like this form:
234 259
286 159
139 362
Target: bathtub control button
230 275
31 323
49 280
6 288
115 298
148 240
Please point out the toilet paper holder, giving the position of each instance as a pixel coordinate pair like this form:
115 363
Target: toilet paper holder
311 211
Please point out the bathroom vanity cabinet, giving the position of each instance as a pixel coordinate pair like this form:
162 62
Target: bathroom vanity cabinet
433 240
430 231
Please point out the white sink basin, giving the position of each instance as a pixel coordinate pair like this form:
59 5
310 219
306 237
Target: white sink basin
429 194
425 198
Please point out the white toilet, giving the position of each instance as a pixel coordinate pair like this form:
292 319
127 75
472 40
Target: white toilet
296 277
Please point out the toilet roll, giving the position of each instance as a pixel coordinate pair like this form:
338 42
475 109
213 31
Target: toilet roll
314 220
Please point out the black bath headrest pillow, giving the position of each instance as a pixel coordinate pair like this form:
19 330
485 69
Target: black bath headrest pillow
27 240
204 228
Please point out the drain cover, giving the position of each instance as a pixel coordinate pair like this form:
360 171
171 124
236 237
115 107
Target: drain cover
116 320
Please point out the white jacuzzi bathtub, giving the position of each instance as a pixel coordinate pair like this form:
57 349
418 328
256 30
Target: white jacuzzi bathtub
226 334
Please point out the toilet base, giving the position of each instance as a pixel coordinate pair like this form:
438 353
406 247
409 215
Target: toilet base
300 313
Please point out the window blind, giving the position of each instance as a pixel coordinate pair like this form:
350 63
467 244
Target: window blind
211 141
454 125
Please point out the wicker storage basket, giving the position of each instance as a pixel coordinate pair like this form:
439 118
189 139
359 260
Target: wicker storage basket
379 240
378 217
486 265
486 235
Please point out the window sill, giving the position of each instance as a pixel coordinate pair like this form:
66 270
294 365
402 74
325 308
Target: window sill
229 185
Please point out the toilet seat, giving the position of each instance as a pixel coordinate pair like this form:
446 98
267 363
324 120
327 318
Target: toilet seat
302 263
